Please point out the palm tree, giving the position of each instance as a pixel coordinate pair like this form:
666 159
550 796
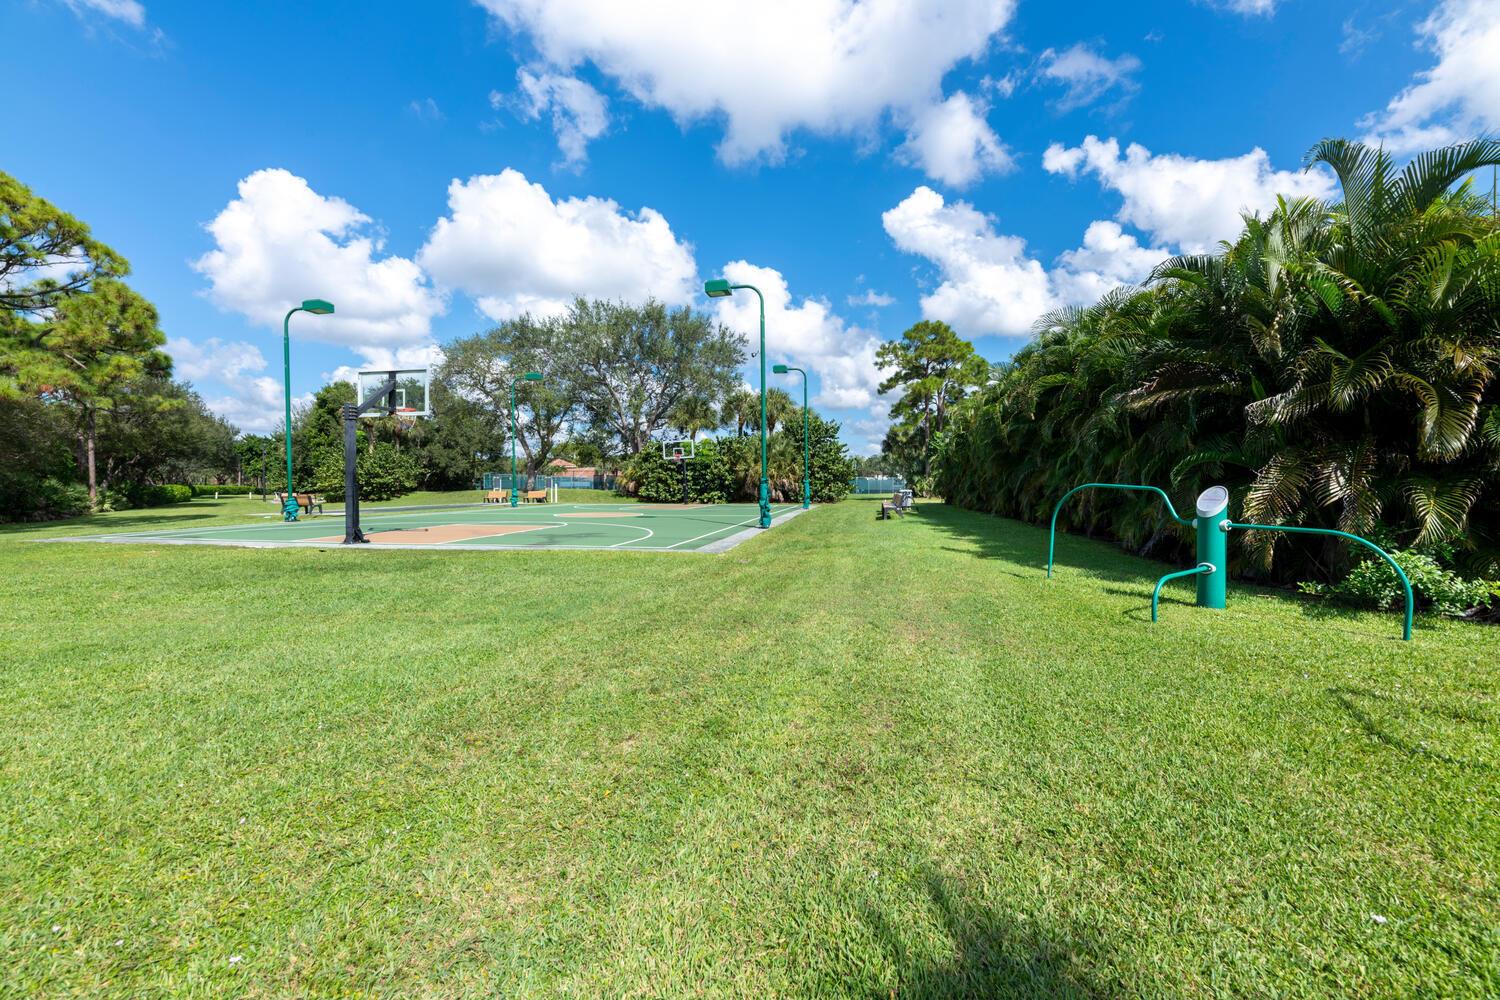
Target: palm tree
693 415
1335 365
780 408
741 410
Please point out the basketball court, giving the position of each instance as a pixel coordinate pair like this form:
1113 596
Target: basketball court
637 527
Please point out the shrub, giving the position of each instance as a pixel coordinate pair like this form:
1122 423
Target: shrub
383 474
660 481
25 497
1371 584
59 498
229 490
134 495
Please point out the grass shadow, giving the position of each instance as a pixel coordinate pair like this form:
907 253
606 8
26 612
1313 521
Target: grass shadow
1008 540
1017 542
1350 698
105 524
991 955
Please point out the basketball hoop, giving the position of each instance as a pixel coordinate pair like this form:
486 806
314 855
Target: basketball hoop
406 418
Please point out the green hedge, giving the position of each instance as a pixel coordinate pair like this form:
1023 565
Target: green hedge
145 495
208 490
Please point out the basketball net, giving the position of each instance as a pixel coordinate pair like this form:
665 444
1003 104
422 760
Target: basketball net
405 418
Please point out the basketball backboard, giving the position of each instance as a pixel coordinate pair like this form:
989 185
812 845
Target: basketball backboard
676 451
410 398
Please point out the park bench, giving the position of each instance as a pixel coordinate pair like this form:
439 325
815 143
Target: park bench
306 501
497 496
533 496
900 502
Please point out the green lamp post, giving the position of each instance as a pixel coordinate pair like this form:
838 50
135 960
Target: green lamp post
318 307
806 448
528 377
717 289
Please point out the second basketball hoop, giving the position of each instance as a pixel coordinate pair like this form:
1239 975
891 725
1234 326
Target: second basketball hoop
680 453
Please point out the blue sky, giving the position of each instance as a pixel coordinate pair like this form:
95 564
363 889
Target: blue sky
434 168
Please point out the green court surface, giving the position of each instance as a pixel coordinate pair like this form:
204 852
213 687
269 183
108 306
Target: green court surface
634 526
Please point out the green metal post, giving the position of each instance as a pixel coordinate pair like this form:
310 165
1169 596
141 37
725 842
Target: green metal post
514 500
289 502
1213 548
806 448
528 377
718 288
765 481
318 307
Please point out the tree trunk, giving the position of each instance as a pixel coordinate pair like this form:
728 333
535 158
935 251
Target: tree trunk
926 448
91 434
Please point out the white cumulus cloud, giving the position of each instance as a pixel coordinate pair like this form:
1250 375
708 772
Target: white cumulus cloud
988 284
214 359
1108 258
770 68
579 113
1459 97
953 143
510 246
280 242
808 334
1182 200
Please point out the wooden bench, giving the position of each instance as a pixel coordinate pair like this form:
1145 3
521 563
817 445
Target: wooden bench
497 496
305 501
533 496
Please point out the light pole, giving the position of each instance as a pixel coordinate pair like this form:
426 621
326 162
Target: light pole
318 307
528 377
717 289
806 449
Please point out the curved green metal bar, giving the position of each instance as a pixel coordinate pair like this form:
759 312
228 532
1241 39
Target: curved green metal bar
1052 536
1197 570
1400 574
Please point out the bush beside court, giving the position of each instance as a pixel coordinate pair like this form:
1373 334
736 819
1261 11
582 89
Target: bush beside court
848 758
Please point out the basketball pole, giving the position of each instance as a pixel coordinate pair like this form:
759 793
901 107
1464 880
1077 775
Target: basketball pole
387 390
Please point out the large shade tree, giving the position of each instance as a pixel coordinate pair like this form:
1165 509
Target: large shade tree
634 364
485 368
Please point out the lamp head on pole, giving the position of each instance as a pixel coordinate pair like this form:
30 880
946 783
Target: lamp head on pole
532 376
779 369
318 307
717 288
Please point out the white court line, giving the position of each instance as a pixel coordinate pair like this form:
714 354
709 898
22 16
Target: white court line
365 523
628 541
727 527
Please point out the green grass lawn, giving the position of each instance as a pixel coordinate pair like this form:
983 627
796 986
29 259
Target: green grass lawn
848 759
